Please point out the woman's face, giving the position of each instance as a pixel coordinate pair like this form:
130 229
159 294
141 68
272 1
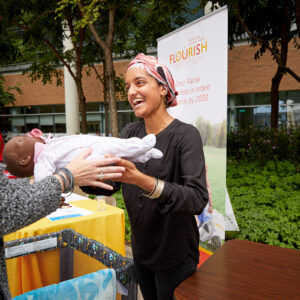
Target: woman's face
145 95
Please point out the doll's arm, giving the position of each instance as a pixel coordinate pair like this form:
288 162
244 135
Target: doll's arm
141 150
152 153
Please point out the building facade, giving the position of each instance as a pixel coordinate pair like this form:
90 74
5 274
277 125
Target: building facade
249 84
43 106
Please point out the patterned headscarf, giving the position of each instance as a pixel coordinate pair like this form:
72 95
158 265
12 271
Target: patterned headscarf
160 72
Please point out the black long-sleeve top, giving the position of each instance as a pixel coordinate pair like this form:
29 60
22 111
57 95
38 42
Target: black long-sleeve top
164 230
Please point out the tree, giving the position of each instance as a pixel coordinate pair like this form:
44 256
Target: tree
39 32
6 97
118 27
123 26
8 51
271 25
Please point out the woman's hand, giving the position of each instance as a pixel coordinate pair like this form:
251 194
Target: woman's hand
132 175
87 172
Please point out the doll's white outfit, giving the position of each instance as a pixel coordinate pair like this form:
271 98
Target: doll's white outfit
58 152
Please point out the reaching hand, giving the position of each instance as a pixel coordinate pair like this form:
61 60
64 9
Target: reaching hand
94 172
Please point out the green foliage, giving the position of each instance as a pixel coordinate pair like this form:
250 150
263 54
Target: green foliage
272 16
278 26
265 144
266 201
36 36
6 97
121 204
90 11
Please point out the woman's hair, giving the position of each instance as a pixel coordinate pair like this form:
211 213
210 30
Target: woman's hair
160 72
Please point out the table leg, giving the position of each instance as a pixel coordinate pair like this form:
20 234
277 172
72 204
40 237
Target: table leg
132 292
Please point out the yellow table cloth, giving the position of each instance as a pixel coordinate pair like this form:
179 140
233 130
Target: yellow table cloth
36 270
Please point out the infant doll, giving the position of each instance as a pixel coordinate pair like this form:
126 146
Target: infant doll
33 154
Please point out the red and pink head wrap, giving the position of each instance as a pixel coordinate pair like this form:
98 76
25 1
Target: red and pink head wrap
160 72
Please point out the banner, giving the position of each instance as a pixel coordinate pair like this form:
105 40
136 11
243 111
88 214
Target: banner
196 54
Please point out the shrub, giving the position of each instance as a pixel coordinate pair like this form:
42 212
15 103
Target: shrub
264 144
121 204
266 201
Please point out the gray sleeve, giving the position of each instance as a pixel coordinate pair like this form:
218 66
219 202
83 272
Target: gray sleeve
23 203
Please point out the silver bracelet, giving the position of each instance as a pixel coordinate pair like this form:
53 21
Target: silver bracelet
151 193
158 188
68 180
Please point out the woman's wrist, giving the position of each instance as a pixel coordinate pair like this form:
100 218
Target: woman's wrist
60 181
66 180
146 182
151 185
157 190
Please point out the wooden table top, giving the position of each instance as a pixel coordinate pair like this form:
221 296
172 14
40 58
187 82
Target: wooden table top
245 270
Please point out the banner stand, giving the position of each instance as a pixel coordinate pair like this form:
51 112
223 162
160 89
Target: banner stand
197 56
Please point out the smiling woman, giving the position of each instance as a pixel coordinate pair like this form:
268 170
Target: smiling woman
144 93
163 195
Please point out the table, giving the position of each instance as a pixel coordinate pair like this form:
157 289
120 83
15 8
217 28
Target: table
245 270
41 269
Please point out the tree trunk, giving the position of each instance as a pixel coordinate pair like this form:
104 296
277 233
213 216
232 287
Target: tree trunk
298 16
82 106
111 85
105 102
275 98
107 46
284 41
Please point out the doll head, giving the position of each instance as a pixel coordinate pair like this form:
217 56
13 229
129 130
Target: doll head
18 155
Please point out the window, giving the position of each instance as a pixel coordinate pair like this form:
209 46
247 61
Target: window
18 124
60 108
94 122
46 109
255 109
92 107
32 110
51 118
